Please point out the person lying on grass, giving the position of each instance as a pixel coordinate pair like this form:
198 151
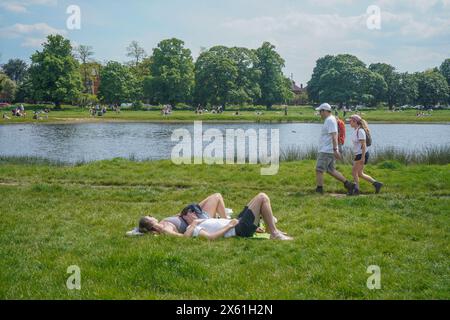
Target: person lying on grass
245 226
206 209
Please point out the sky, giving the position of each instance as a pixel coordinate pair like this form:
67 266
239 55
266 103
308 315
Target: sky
412 35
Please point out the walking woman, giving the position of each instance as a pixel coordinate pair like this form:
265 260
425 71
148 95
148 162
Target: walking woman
361 140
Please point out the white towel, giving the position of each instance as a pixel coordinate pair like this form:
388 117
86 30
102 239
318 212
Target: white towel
134 233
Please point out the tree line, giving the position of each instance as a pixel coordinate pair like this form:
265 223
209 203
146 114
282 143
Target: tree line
345 80
220 75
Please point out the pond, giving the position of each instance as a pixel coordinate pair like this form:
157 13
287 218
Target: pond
98 141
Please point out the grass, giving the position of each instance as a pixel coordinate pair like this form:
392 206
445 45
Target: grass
430 155
295 114
54 216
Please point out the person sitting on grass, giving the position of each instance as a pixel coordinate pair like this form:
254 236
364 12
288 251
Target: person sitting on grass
245 226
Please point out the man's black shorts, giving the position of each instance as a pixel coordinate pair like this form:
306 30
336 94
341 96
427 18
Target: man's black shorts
246 227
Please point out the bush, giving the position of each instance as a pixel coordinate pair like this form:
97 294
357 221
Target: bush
390 165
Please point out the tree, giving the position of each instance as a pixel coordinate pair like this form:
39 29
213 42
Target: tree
344 80
55 73
84 53
15 69
247 88
7 88
445 71
433 88
216 74
135 51
407 89
391 77
273 84
313 86
117 83
25 90
172 73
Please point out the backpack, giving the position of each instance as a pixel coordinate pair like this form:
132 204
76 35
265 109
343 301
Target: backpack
368 137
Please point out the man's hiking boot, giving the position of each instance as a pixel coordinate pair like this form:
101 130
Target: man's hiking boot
378 186
350 187
319 190
356 192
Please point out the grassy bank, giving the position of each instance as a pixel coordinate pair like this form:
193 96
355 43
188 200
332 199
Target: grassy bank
56 216
392 156
295 114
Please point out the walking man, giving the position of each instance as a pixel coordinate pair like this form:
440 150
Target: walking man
329 150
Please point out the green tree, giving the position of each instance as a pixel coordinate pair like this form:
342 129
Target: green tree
117 83
313 86
391 77
344 81
25 90
407 89
216 75
55 73
7 88
172 73
273 84
247 89
433 88
445 71
15 69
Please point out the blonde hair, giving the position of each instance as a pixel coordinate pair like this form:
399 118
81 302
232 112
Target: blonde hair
361 122
365 126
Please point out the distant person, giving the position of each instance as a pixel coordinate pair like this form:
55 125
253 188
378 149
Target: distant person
341 134
361 139
329 150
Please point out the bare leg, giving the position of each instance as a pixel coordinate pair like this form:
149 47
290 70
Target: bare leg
261 207
365 176
355 173
214 204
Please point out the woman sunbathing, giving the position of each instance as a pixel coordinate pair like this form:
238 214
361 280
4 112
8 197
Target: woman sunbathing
245 226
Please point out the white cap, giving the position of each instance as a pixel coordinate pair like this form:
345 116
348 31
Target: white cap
324 106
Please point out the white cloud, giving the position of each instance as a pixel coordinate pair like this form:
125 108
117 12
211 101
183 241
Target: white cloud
13 7
22 6
20 29
33 34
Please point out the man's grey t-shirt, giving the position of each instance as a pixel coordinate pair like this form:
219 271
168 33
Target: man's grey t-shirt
326 142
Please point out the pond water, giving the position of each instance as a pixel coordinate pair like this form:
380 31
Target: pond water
97 141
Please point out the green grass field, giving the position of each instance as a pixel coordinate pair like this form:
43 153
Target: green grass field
295 114
56 216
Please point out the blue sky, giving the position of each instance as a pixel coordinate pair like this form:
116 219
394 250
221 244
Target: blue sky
414 34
